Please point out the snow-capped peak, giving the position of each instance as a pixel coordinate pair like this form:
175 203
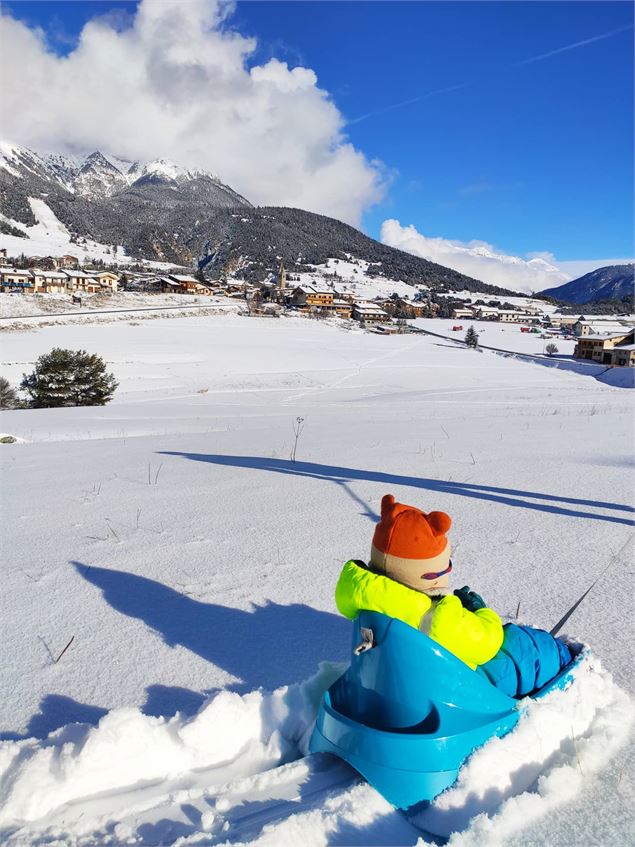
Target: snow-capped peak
98 176
164 169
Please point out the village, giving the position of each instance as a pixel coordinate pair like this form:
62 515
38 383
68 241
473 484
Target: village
606 340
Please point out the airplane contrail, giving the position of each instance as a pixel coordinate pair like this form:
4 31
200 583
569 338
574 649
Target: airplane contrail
408 102
450 88
575 45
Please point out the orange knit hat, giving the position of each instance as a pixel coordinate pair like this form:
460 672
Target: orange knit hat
408 543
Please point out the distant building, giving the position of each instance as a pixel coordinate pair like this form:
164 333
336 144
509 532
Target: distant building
597 326
307 295
108 280
67 262
166 285
369 313
342 308
189 284
600 348
282 277
81 281
486 313
12 279
623 356
3 256
457 314
48 282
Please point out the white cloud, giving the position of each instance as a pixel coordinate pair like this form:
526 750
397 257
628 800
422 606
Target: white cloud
478 259
177 84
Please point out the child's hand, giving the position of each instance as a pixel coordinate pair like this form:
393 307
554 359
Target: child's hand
470 600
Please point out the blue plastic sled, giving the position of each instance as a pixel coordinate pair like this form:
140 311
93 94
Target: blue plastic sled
407 713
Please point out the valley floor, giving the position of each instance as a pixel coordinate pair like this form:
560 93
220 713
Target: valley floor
171 536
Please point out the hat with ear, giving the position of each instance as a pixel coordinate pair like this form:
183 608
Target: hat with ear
409 543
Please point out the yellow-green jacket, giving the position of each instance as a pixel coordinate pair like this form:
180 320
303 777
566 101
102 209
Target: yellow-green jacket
473 637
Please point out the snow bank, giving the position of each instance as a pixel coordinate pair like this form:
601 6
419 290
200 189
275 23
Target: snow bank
562 740
127 747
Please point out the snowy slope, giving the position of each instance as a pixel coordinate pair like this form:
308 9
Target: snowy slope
613 281
171 535
48 236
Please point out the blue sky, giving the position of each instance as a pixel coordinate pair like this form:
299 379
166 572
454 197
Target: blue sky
527 155
523 155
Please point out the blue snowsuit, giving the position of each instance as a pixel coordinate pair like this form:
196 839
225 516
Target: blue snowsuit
527 660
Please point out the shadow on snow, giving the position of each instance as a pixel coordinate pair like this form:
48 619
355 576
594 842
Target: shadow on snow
342 476
268 646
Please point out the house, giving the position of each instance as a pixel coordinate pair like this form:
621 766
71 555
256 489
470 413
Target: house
165 284
304 296
81 281
342 307
486 313
457 314
509 316
67 262
599 348
108 280
48 282
189 284
12 279
623 355
369 313
598 326
3 256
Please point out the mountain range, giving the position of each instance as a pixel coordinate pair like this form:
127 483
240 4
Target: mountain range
159 211
614 282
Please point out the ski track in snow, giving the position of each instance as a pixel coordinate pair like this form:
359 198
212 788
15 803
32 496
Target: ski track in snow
156 726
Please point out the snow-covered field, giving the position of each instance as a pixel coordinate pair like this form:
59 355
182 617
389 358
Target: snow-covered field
193 564
505 336
519 300
25 312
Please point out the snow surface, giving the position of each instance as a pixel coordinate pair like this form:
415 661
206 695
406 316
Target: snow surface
23 312
529 302
506 336
194 565
352 277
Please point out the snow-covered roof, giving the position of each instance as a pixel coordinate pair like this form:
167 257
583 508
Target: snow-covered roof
369 310
183 278
79 275
311 289
47 274
625 346
606 337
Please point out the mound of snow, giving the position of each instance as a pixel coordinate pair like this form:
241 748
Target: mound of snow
127 747
561 740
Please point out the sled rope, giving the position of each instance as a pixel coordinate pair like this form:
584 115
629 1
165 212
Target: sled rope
568 614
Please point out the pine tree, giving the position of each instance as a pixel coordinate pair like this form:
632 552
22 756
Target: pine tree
471 337
8 396
69 378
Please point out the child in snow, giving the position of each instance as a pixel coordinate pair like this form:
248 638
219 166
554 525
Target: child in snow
407 578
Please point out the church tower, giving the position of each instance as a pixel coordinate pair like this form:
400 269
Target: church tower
282 277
